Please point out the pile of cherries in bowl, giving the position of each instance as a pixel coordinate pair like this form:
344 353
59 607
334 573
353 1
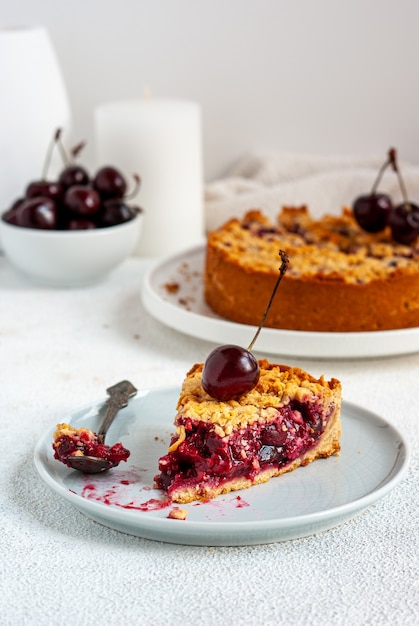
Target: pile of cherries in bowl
75 200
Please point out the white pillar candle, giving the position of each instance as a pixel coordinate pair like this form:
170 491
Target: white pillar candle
160 140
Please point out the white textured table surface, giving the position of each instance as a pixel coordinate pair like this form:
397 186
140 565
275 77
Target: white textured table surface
59 350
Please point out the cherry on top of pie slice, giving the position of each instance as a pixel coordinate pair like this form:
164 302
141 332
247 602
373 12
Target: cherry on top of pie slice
289 419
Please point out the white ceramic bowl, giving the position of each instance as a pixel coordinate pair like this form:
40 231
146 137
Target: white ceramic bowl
69 258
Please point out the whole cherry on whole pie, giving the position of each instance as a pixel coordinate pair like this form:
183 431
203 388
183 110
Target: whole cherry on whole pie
404 223
371 210
404 218
375 211
230 370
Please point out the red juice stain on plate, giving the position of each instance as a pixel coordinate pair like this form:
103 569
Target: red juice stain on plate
90 492
238 502
151 505
111 497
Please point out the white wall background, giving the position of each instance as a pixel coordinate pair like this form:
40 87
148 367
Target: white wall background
318 76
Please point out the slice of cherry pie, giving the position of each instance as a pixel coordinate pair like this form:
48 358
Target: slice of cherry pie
289 419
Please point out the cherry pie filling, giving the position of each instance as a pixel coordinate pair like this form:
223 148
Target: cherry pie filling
84 442
205 457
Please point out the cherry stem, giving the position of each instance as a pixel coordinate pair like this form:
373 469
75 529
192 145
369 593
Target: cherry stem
76 150
132 193
282 270
392 157
380 174
54 141
63 152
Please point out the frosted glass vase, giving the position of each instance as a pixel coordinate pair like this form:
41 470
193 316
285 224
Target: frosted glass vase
33 104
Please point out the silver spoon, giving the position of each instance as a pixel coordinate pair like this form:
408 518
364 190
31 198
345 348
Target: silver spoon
119 396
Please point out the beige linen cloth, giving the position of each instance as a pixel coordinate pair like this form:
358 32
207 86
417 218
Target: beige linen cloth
325 184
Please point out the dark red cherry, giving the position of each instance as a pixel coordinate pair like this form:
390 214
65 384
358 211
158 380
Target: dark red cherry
37 213
82 200
110 183
73 175
80 224
10 215
44 188
371 211
116 211
229 371
404 223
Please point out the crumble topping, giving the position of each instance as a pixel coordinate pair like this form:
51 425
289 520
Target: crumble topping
276 385
77 434
177 513
353 256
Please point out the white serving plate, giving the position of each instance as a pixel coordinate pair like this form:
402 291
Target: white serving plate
186 311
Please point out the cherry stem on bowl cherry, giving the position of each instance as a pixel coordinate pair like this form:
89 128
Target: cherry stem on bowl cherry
137 181
64 155
392 156
48 156
76 150
282 270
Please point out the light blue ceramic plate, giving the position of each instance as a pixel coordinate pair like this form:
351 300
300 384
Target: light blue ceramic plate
309 500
